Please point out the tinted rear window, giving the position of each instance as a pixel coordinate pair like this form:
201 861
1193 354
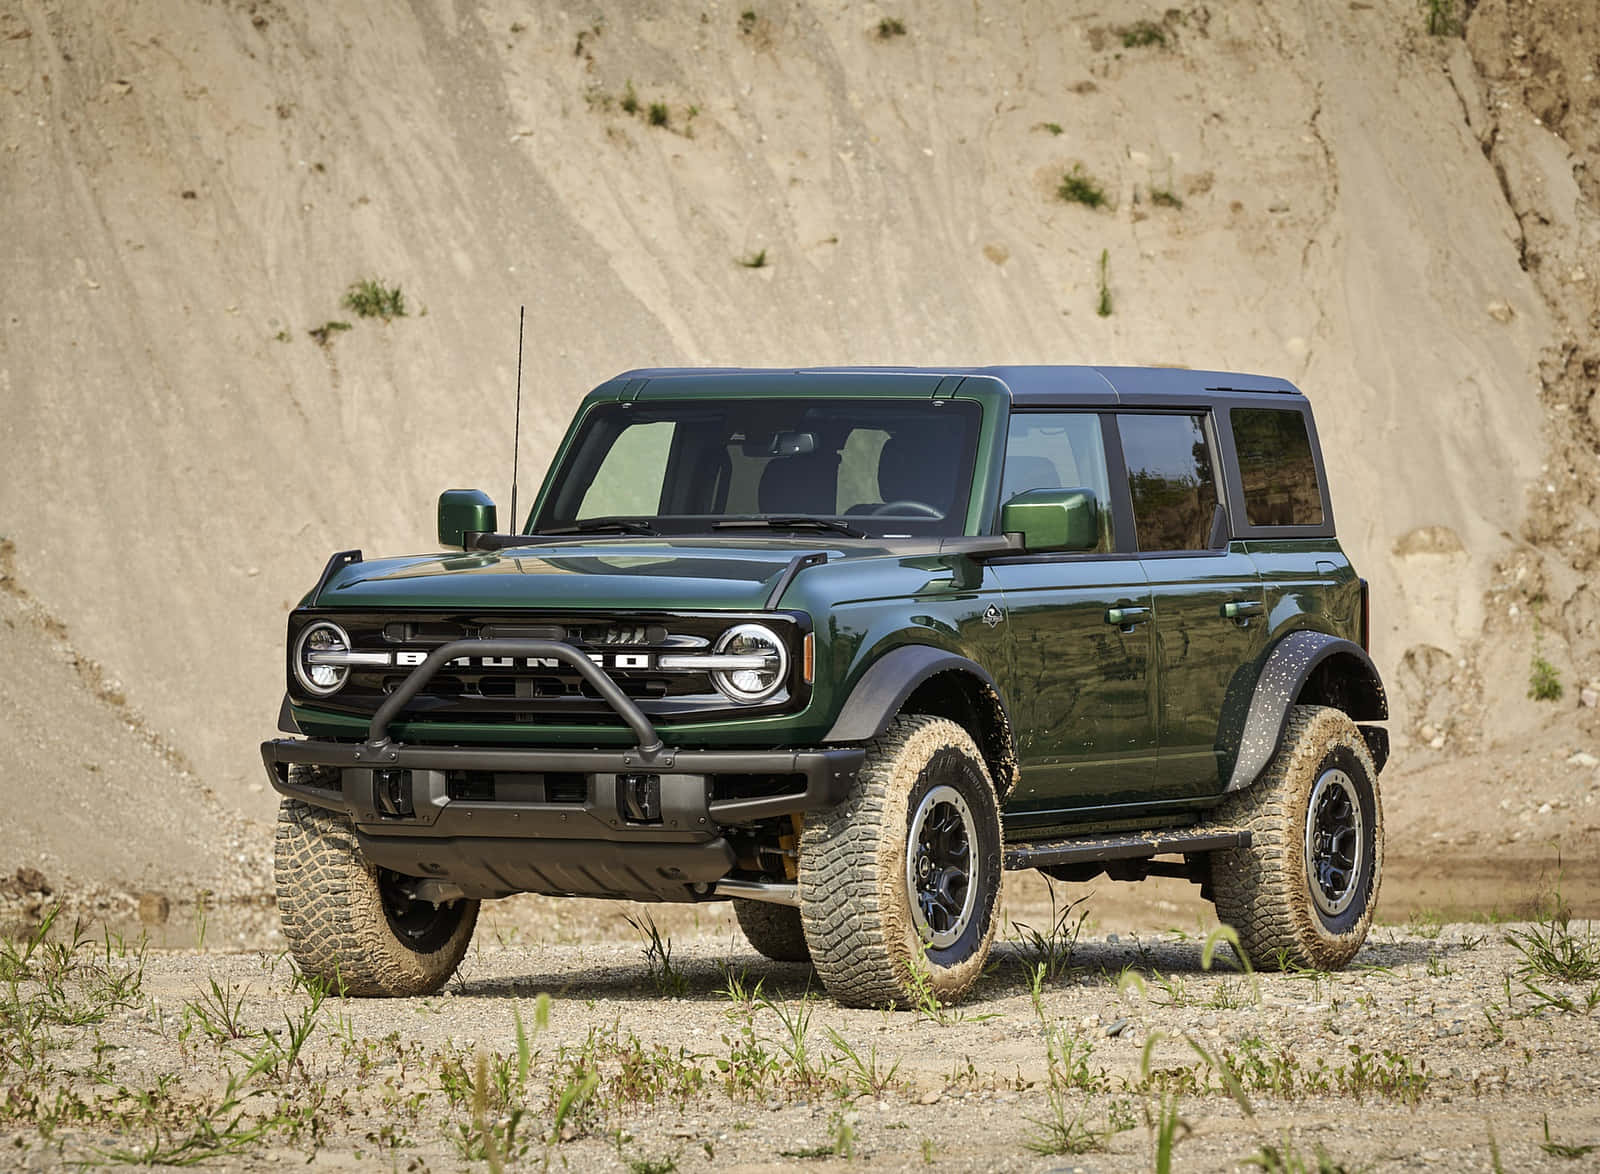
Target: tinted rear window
1276 466
1171 480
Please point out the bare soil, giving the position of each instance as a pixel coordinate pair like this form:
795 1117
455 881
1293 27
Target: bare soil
1431 1050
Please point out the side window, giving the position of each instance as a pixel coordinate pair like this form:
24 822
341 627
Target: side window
1058 450
1277 468
1172 480
629 480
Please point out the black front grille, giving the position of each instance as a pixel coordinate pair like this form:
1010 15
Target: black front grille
519 692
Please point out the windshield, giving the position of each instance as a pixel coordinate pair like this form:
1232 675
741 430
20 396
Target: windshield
878 468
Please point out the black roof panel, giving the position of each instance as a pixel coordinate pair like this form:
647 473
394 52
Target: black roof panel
1038 384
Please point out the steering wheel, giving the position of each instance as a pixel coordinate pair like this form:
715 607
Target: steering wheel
920 509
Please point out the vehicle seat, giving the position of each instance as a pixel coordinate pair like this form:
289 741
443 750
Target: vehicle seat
919 466
800 485
1025 473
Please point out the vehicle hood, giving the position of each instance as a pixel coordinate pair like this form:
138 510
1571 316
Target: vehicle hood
633 573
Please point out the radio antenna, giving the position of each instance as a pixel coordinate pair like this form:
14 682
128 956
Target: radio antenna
516 429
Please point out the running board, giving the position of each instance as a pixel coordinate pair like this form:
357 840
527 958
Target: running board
1121 846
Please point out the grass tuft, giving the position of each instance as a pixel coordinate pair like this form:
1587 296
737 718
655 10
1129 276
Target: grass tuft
1441 16
668 978
1544 680
890 27
1562 1149
659 115
755 260
1103 308
1142 34
370 298
1079 187
325 333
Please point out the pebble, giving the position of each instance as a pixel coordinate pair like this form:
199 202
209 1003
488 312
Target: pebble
1583 758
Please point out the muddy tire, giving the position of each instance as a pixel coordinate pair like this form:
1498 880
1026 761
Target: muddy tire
900 883
349 923
774 930
1303 893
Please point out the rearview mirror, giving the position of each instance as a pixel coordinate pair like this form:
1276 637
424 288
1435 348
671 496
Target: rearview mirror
1053 519
463 512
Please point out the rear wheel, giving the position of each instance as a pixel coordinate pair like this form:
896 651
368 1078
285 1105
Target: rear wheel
1303 893
899 883
357 927
774 930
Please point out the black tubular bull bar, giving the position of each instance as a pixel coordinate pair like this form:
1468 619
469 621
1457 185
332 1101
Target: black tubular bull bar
649 825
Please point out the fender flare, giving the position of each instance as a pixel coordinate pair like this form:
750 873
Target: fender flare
1283 675
884 688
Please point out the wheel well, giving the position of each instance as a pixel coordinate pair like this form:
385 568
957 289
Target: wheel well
1343 682
975 707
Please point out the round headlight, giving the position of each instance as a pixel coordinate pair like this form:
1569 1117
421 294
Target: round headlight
321 637
763 663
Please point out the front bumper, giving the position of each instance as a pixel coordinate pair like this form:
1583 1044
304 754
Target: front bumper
595 840
650 822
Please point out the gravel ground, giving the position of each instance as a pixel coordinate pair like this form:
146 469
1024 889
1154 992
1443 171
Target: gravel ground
1431 1045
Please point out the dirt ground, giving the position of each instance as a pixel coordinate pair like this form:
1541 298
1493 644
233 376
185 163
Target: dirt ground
1441 1047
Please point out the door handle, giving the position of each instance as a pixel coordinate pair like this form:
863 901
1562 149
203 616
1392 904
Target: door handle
1242 609
1126 617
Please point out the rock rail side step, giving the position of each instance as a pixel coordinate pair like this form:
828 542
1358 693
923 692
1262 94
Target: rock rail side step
1122 846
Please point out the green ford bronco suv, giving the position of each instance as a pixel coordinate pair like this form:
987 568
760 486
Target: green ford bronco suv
843 646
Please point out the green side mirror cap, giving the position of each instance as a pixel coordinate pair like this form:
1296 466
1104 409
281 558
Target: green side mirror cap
1053 519
463 512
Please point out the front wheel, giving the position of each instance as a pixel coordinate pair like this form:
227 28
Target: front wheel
353 925
900 883
1303 893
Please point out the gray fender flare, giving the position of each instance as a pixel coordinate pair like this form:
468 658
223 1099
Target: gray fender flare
884 687
1288 666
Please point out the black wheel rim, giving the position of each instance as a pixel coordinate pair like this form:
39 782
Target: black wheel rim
939 867
420 925
1334 842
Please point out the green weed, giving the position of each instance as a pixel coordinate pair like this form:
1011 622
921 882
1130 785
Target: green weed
755 260
668 979
323 335
1559 1149
1052 947
1441 17
1141 34
1079 187
1103 306
658 114
1550 949
890 27
370 298
1283 1158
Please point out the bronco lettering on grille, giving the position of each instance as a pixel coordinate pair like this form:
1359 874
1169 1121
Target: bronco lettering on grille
606 660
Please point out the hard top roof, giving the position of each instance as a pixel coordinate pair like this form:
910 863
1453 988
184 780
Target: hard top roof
1027 384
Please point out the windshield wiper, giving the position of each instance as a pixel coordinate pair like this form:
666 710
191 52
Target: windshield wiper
799 522
603 525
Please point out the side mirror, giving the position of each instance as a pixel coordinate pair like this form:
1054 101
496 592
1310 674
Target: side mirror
463 512
1053 519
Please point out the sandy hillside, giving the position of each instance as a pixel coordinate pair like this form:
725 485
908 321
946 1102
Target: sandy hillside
1399 222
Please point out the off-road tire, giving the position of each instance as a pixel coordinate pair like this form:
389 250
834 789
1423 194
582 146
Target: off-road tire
855 896
1265 891
333 913
774 930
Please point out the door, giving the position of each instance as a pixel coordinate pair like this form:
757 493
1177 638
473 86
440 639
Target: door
1081 634
1210 618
